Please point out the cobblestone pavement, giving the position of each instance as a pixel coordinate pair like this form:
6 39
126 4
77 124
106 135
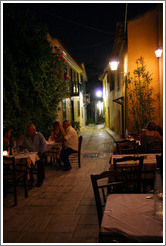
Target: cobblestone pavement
62 210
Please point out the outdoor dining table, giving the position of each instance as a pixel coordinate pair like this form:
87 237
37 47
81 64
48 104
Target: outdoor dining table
53 149
149 164
132 215
23 158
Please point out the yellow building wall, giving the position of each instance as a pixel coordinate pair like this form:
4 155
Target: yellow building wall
76 104
142 42
105 99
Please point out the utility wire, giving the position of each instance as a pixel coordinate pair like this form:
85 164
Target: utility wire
93 45
79 24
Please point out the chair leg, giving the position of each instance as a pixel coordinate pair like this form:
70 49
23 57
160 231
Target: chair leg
15 193
26 185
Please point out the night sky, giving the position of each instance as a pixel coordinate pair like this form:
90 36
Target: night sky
86 29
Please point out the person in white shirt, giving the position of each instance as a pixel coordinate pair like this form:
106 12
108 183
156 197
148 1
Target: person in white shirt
70 144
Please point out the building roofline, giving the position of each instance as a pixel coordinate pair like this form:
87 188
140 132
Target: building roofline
71 61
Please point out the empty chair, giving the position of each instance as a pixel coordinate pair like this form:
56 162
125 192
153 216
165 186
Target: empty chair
132 168
103 184
14 175
116 149
76 157
127 147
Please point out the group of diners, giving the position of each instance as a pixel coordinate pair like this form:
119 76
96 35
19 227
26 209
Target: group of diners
35 141
151 133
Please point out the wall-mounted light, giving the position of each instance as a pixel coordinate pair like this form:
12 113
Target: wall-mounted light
158 52
114 64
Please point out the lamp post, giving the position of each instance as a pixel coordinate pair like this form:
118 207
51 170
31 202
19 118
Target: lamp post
158 53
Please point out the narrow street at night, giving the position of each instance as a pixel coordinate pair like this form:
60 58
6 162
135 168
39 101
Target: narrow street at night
82 122
62 210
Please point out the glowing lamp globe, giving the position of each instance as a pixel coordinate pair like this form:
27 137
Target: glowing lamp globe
114 65
158 52
99 93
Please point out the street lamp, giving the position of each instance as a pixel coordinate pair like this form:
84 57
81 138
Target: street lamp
158 53
114 64
99 93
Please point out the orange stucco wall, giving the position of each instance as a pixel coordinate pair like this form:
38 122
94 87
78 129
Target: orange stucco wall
143 40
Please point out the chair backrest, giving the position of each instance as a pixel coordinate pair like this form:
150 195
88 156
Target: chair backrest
9 166
120 141
100 203
155 147
132 168
9 175
76 157
105 183
128 147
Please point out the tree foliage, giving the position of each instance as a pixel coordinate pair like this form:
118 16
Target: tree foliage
140 99
33 83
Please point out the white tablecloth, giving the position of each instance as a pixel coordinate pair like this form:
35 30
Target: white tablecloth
25 155
132 214
51 144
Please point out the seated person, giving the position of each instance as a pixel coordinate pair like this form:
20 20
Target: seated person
8 141
150 134
51 137
70 144
35 142
58 133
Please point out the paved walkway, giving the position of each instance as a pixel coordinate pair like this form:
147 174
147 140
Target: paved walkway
62 210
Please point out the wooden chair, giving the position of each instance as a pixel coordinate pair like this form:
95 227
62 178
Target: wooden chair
39 169
127 147
155 147
132 172
75 158
103 184
117 145
14 175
